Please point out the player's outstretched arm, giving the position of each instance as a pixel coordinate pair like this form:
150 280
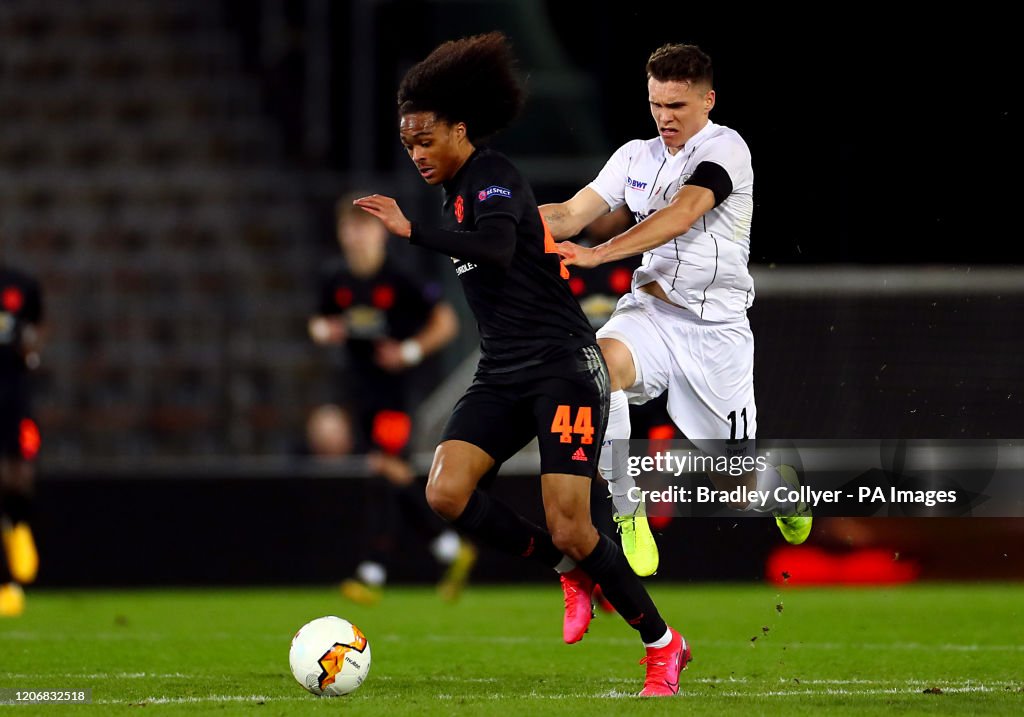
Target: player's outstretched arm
493 242
689 204
568 219
387 210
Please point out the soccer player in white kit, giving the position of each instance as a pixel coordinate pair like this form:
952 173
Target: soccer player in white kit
683 327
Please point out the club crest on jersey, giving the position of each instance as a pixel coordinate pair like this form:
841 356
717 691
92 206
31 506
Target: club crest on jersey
493 191
460 209
635 184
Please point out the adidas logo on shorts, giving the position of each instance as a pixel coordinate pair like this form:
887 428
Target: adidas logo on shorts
579 455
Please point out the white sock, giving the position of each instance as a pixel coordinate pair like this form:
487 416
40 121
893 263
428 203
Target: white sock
614 464
371 573
768 480
565 564
661 641
446 546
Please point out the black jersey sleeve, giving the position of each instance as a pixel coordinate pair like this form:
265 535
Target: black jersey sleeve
714 177
493 242
497 188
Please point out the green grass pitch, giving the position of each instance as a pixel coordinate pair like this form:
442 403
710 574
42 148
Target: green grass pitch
927 649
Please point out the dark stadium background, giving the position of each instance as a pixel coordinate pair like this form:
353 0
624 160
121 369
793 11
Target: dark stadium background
168 171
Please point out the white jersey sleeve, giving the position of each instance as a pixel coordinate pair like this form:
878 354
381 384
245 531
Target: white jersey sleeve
732 156
610 184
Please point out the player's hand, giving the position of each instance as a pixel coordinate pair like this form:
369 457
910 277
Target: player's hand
388 354
327 330
394 469
387 210
576 255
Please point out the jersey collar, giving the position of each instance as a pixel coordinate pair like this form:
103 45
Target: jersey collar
694 141
452 184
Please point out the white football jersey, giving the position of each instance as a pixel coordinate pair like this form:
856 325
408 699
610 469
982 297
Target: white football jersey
704 269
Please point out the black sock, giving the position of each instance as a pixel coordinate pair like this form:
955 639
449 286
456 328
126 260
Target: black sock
17 506
412 501
384 526
607 566
497 525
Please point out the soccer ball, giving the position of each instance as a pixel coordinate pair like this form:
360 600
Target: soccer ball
330 656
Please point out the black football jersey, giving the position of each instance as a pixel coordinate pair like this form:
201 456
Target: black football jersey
526 313
391 304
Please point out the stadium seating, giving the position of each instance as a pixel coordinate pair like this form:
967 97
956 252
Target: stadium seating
143 183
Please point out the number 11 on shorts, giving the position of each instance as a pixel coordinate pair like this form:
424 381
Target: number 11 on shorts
565 426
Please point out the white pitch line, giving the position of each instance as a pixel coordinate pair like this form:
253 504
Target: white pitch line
85 637
885 686
799 681
946 647
837 692
436 678
909 682
610 694
100 676
910 646
591 639
206 698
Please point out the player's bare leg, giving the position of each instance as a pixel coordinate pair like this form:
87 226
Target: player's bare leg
630 517
567 511
452 493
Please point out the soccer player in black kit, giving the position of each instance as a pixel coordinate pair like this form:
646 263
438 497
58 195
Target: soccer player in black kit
21 313
540 372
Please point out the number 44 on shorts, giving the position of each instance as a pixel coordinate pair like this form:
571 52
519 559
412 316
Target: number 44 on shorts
565 426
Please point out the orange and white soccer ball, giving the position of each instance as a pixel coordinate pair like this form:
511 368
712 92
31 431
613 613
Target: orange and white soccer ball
330 656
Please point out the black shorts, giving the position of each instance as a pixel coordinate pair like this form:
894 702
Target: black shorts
567 414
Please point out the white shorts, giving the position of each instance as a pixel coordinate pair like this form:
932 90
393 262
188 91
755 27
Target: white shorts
706 367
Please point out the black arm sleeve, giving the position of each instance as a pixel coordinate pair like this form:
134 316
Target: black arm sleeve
493 242
714 177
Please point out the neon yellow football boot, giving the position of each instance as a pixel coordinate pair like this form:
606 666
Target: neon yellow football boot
637 541
22 557
359 592
795 527
457 574
12 600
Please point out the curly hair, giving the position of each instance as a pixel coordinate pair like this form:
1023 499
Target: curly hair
680 63
471 80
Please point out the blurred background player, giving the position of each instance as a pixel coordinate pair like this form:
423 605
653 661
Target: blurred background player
683 328
388 322
21 314
329 432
